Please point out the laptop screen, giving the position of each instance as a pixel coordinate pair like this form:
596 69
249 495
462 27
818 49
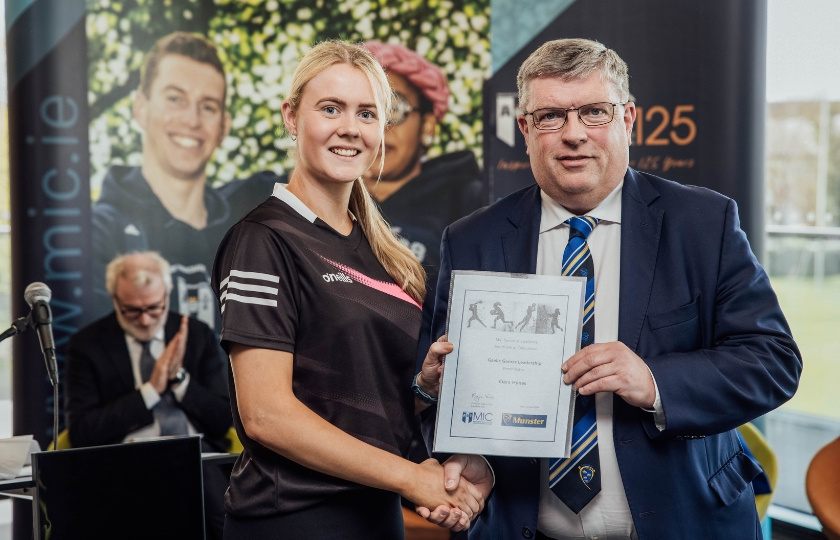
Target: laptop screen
150 489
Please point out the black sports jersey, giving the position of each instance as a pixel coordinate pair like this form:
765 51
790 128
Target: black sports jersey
288 281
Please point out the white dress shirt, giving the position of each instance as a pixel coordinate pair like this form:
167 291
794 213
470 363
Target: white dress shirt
608 515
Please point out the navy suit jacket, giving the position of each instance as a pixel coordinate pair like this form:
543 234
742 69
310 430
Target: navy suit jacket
698 308
102 403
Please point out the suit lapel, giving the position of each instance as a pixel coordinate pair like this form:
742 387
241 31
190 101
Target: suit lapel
641 227
114 346
173 323
519 245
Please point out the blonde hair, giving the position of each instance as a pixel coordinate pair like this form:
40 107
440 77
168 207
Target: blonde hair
141 268
398 260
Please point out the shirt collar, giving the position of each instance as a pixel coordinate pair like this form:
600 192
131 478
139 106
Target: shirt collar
554 214
282 193
289 198
160 335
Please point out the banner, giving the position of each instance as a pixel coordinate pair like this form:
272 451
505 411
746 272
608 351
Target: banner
88 144
50 195
696 74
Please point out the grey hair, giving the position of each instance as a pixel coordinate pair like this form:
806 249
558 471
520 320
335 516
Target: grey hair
141 268
572 59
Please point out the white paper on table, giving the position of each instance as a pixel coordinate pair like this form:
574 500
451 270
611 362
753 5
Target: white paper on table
14 455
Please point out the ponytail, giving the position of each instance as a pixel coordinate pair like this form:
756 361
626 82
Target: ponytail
398 260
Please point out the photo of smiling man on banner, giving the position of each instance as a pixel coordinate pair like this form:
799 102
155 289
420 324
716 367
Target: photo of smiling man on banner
164 205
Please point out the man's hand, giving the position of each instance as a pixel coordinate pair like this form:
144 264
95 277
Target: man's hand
611 367
457 469
432 369
457 507
172 359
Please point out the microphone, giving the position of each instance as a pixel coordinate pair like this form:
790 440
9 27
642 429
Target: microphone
38 295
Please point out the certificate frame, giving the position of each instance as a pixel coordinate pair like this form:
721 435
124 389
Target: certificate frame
502 391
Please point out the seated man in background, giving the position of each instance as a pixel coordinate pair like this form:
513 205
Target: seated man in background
143 371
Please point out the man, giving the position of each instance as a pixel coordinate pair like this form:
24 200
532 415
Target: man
143 371
474 317
165 205
500 314
689 339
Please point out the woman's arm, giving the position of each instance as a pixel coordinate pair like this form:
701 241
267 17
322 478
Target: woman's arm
275 418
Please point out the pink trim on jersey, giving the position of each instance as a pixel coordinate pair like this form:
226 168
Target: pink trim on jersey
382 286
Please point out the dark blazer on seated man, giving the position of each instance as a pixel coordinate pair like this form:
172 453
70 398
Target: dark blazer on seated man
103 404
143 371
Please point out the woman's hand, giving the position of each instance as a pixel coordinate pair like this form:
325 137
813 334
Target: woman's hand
458 469
454 508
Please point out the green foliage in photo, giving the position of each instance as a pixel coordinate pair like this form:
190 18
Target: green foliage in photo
260 43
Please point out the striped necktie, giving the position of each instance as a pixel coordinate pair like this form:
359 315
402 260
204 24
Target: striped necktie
576 479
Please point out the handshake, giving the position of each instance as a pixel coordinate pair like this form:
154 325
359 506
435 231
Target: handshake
468 480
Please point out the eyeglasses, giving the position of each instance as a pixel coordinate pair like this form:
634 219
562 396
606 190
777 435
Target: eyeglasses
133 312
400 109
594 114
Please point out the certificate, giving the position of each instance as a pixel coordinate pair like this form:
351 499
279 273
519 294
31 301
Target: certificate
502 391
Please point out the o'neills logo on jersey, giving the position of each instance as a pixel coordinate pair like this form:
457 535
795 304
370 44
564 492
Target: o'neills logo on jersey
341 276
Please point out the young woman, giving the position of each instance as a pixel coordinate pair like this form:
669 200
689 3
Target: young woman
321 312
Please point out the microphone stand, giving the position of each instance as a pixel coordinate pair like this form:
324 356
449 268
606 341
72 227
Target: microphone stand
18 327
55 416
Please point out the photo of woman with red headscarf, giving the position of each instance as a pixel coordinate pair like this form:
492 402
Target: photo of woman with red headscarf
419 197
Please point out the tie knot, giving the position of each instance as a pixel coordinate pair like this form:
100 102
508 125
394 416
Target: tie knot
581 225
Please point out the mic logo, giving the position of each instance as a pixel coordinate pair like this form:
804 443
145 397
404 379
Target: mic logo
480 417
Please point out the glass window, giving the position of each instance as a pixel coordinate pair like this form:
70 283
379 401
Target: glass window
5 277
802 226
